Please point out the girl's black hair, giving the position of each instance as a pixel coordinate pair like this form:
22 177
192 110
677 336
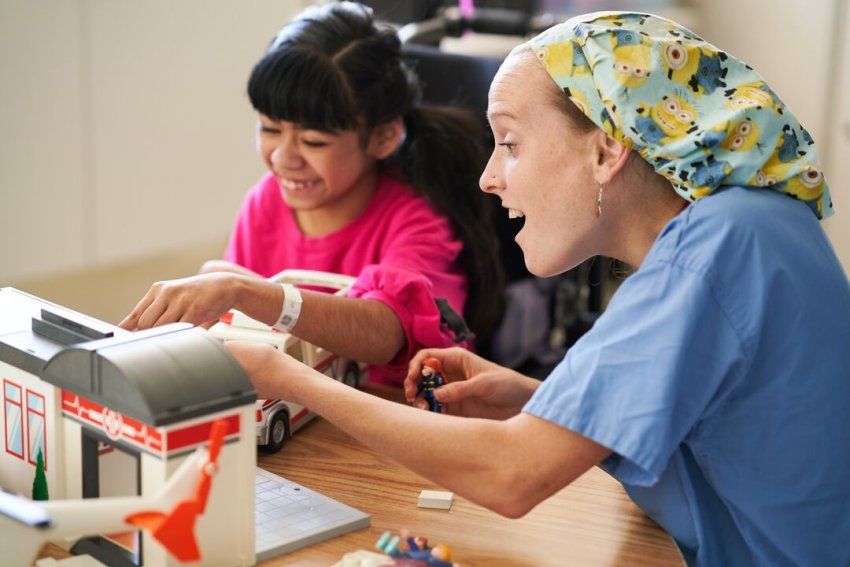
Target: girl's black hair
333 69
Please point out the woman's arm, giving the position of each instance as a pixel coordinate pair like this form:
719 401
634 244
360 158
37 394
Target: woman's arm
507 466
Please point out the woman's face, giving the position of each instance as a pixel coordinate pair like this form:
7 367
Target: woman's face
541 168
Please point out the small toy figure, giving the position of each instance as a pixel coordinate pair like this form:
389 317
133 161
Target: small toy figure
432 378
406 547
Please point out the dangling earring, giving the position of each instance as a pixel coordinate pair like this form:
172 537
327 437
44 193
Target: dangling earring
599 201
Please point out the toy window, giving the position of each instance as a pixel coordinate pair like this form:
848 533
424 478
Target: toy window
12 415
36 428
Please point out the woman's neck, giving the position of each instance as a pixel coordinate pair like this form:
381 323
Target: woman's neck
337 214
643 212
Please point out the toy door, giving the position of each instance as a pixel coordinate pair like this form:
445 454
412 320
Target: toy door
110 469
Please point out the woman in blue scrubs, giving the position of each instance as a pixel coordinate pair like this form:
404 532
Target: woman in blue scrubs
716 386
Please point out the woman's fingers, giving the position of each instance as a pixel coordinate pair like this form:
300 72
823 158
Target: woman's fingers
458 364
455 392
450 358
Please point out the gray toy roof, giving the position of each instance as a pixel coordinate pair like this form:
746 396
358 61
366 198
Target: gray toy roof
159 376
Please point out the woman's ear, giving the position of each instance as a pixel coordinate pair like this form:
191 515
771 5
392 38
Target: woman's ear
611 157
386 138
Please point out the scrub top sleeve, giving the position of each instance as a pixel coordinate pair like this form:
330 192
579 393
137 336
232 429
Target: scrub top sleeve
661 357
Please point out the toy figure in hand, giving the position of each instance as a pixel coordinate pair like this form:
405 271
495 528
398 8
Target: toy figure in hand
432 378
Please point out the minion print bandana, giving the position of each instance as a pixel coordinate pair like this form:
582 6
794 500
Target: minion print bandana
700 117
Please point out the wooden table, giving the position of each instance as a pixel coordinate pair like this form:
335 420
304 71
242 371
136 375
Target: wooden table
591 522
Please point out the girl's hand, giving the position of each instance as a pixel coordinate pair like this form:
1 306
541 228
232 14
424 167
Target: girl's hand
197 300
271 372
474 387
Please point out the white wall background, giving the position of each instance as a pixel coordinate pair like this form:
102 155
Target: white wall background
837 117
125 129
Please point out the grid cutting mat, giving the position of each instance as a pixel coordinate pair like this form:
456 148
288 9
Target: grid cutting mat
290 516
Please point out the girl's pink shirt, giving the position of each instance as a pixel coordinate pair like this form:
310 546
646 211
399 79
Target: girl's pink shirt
402 252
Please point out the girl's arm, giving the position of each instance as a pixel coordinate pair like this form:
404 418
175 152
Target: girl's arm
507 466
363 330
359 329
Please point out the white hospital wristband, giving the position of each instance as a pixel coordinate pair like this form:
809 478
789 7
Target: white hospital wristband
291 308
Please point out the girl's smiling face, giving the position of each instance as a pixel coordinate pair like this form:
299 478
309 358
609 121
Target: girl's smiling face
541 168
319 173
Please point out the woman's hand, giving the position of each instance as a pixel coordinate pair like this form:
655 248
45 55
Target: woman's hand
272 372
474 387
197 300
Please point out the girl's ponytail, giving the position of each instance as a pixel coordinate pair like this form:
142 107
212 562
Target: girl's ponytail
442 157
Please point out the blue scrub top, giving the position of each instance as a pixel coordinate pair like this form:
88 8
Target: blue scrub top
719 376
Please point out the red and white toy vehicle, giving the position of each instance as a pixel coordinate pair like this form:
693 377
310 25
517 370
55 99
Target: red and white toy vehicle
277 420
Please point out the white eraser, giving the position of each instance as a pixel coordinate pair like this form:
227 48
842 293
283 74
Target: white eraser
436 499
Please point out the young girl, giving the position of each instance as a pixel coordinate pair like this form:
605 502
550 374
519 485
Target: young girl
363 181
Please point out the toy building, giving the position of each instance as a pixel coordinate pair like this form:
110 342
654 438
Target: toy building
114 413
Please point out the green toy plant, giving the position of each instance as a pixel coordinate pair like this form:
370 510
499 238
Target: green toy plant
39 485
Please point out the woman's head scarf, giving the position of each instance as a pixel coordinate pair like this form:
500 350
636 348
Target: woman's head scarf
702 118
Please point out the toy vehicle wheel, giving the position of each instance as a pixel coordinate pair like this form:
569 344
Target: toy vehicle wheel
351 376
278 433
